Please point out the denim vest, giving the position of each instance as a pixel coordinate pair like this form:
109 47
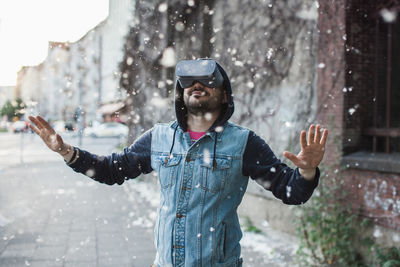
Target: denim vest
197 221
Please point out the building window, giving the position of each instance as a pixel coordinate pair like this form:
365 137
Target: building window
372 93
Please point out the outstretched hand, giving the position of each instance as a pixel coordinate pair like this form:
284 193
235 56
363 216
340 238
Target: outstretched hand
52 139
311 153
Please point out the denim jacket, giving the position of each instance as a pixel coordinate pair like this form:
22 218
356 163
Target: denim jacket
198 224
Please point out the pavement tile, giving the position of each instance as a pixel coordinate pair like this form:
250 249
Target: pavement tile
24 238
59 220
143 262
21 253
57 229
81 227
114 261
14 261
108 228
46 263
85 242
77 254
112 246
18 250
80 264
112 253
49 253
53 239
3 245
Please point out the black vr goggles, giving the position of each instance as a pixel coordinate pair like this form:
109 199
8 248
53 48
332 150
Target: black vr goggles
203 70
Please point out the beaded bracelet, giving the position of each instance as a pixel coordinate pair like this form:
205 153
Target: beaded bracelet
66 153
73 156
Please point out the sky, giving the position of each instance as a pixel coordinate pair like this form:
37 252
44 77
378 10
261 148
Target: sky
26 27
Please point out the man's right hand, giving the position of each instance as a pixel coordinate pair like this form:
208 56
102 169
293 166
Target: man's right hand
52 139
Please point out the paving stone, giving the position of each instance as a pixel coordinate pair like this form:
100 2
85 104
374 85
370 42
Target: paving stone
57 229
113 261
77 254
80 264
3 244
24 238
14 261
18 250
53 239
46 263
83 241
51 253
112 253
80 227
17 253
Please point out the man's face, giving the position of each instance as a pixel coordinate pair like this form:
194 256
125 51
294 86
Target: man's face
200 99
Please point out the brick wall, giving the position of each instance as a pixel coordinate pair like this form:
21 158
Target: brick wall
346 34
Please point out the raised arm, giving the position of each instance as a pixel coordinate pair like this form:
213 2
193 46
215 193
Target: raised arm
112 169
117 167
289 185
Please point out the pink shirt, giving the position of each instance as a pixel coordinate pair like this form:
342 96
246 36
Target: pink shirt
194 136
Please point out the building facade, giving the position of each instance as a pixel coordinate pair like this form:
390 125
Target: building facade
81 76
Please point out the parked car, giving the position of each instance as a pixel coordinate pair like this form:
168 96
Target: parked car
62 126
59 126
19 126
107 129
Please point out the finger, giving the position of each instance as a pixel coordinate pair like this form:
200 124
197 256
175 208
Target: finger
44 123
36 122
59 139
311 133
34 129
303 140
317 134
324 137
292 157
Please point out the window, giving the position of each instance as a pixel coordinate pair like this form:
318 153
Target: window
372 94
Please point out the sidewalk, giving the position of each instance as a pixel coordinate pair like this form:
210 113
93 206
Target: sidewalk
59 218
51 216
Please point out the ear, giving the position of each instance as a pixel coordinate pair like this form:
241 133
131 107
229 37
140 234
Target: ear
225 100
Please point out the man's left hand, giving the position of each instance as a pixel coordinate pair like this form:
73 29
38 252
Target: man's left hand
311 152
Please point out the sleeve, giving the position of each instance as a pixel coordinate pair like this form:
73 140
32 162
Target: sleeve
116 168
260 163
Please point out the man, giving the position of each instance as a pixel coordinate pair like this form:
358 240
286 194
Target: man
203 164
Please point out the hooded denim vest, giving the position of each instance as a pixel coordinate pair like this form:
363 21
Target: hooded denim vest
197 221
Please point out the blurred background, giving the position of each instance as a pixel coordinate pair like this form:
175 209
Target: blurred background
106 69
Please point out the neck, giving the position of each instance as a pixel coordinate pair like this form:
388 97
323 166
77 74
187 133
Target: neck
201 122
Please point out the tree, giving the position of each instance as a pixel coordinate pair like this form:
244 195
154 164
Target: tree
13 109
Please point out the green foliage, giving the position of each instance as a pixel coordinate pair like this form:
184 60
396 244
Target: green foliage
248 226
328 229
12 110
388 257
120 147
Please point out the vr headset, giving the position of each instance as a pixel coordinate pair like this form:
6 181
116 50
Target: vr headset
203 70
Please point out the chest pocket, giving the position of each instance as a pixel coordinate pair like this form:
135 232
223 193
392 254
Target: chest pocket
214 181
168 170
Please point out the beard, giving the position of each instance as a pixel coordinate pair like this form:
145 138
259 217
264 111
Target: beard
203 106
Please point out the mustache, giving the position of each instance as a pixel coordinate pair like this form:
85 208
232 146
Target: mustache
198 89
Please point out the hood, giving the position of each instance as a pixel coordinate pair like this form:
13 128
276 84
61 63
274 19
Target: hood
226 111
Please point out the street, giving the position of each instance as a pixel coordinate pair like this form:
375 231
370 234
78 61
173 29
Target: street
52 216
